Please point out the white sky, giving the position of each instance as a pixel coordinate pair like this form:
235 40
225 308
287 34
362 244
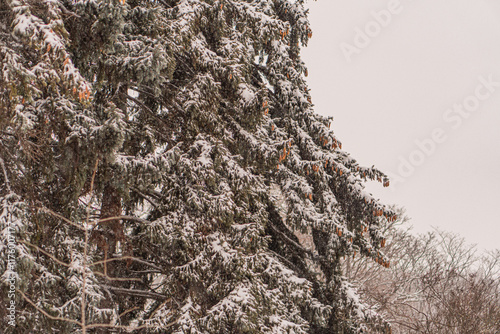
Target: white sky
397 90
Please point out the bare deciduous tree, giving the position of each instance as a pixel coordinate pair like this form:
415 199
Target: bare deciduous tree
436 283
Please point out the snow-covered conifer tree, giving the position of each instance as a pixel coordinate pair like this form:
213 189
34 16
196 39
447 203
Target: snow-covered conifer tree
211 163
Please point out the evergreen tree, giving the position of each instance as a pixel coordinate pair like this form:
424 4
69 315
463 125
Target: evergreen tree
159 160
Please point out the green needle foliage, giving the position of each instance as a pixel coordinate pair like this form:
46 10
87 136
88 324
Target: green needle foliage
213 172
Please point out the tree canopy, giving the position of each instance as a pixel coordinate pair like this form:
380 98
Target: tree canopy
160 160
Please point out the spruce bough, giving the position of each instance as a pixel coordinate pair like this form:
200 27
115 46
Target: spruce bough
165 155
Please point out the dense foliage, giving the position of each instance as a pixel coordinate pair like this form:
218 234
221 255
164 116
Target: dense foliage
159 159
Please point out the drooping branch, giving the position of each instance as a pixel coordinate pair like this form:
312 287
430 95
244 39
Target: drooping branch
45 313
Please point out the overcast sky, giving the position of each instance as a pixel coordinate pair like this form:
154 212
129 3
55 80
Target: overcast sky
414 89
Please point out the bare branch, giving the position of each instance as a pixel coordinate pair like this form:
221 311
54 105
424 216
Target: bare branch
108 219
136 293
118 279
128 311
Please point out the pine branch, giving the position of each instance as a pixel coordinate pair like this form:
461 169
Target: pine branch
68 12
7 183
136 293
301 270
126 258
127 328
144 196
45 313
295 245
45 253
149 112
47 210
